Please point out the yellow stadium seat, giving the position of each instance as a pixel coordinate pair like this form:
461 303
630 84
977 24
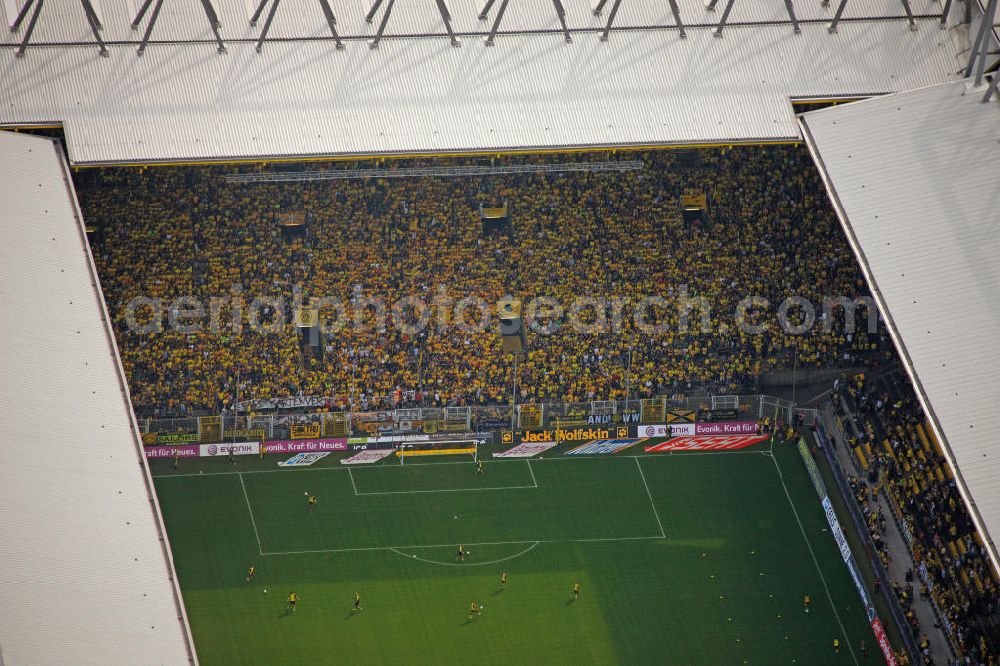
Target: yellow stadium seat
922 436
935 445
861 457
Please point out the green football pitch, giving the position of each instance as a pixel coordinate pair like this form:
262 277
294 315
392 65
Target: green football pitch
693 558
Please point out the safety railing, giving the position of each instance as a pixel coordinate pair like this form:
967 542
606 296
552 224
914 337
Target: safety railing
290 419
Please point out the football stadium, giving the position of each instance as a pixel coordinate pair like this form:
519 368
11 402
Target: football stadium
494 332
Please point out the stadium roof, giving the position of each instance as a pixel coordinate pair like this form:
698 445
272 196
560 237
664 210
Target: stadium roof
85 574
914 180
415 93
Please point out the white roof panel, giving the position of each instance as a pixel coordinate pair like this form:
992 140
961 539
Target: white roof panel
914 179
185 101
84 575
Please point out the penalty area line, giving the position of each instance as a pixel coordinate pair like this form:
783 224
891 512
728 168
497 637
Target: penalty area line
260 549
532 472
440 490
652 504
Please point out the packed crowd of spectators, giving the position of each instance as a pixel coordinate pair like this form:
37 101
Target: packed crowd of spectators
899 455
169 232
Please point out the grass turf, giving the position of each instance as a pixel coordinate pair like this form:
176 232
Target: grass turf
723 585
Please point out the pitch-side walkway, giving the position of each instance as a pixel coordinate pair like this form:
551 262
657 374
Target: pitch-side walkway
899 554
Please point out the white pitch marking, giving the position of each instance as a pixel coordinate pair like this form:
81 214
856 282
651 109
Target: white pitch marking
260 549
813 554
466 564
442 490
353 485
650 496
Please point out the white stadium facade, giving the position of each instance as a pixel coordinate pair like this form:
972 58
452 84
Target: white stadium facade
912 174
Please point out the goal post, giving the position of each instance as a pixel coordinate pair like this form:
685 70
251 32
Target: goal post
449 447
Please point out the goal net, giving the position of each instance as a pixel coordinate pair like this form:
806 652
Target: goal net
450 447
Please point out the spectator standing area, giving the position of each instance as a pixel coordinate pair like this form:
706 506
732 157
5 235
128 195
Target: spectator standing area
682 558
169 233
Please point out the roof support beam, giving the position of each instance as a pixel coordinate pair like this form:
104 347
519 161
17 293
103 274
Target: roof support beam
674 9
993 87
257 12
88 12
370 16
31 24
331 21
152 22
836 16
382 23
371 12
611 20
213 22
267 22
561 13
725 17
906 8
95 25
980 46
677 17
139 16
91 13
944 13
20 16
791 15
909 14
446 17
486 9
496 22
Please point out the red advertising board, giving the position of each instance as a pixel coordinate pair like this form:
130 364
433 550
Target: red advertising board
707 443
883 642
